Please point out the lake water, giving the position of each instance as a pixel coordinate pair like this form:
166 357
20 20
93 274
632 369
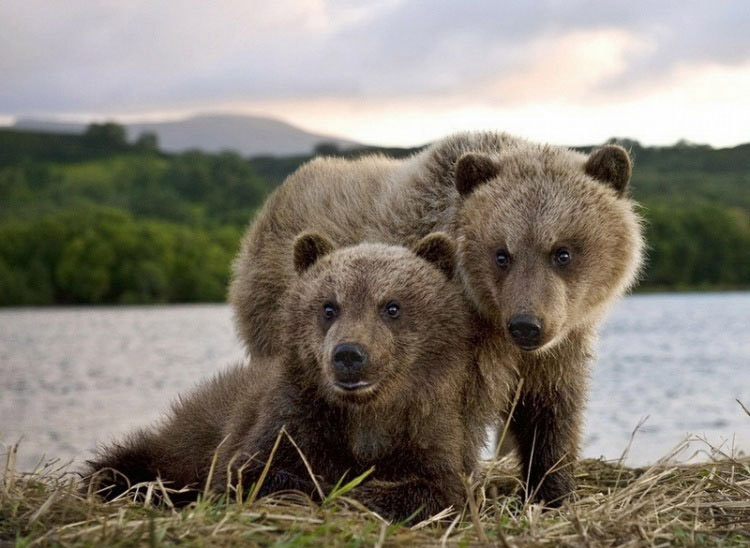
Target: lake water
74 377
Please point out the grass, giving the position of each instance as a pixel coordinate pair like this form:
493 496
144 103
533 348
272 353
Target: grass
705 504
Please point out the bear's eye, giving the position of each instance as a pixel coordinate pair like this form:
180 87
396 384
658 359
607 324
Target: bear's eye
329 311
562 257
392 310
502 258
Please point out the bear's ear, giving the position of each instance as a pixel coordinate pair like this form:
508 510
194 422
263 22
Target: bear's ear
308 248
472 170
611 165
438 249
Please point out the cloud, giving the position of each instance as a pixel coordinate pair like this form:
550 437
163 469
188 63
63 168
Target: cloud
705 103
141 57
568 66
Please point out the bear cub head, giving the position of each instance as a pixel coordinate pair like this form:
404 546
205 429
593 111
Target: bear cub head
547 238
375 324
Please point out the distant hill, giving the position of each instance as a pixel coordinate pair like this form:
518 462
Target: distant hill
247 135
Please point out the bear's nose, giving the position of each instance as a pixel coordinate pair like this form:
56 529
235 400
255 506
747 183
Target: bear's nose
348 359
526 330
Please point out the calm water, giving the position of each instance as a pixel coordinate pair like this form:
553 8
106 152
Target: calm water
72 378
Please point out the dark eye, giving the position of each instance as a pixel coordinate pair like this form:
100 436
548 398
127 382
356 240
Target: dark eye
392 310
562 257
502 258
329 311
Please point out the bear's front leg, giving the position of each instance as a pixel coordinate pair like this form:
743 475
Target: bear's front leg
266 454
244 469
547 428
417 498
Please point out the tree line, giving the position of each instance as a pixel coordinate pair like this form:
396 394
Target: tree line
92 218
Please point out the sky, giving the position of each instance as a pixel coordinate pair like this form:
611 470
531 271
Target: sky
390 72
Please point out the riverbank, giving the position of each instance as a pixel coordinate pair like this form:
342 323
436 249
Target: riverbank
705 504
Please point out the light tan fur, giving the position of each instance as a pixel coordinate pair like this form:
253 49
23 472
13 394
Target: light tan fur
488 190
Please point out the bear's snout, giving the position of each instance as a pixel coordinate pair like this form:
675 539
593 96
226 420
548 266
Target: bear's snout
526 331
349 361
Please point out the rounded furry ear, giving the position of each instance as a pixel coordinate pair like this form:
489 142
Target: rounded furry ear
308 248
472 170
611 165
438 248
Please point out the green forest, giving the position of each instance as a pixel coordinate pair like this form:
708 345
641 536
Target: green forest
92 218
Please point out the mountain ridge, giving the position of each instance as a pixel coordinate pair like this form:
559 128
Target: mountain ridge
248 135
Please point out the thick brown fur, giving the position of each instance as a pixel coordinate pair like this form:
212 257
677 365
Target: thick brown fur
408 424
528 198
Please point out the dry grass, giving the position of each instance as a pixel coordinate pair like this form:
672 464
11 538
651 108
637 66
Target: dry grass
704 504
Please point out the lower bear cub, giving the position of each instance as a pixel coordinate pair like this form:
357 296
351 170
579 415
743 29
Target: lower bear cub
374 373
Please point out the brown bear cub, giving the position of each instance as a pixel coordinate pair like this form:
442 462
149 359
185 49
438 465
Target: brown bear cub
374 373
547 240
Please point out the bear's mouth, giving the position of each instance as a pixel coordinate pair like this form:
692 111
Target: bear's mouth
528 346
353 386
354 392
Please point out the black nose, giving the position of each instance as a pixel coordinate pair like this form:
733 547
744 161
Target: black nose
348 359
526 330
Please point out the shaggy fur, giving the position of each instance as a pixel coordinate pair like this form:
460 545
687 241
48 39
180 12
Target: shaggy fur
489 191
408 423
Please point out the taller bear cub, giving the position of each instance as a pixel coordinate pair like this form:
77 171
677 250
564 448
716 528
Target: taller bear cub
547 240
373 372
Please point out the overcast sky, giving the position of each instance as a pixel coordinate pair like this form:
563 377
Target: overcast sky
398 72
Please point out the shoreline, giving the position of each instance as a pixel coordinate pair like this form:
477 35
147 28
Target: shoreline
134 306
